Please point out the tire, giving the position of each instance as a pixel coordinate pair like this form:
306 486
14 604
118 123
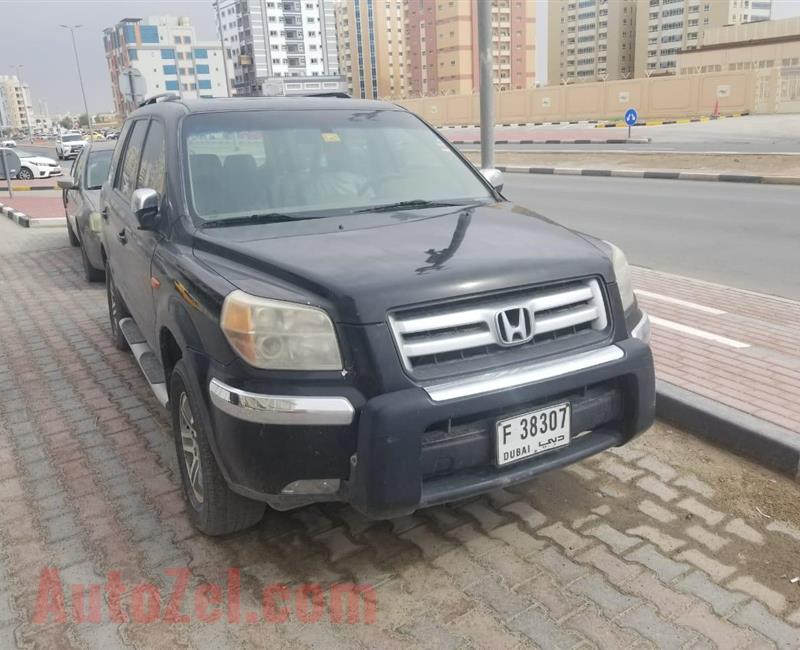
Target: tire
213 507
116 311
60 157
73 238
24 174
89 272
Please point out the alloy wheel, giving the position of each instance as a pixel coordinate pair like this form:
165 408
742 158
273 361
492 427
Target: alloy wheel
191 448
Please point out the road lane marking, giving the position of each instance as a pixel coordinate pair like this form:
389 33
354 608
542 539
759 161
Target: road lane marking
682 303
701 334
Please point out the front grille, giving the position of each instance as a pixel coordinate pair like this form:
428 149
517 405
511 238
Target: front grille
445 339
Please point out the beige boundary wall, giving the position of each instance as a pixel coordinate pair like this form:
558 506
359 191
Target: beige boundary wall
658 97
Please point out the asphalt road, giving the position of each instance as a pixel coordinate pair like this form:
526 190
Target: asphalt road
741 235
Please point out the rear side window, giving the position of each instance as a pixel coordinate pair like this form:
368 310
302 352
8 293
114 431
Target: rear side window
152 172
126 181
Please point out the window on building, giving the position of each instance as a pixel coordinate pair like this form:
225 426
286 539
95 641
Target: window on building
177 40
187 39
201 54
170 69
171 84
168 54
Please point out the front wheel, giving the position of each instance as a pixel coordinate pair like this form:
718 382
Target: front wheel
24 174
214 508
116 311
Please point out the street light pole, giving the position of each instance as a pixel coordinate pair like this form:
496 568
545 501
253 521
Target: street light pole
72 29
224 51
486 83
19 67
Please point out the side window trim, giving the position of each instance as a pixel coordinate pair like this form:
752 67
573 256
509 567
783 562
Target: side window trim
145 142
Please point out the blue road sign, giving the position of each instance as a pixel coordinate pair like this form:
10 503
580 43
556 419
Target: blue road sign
631 116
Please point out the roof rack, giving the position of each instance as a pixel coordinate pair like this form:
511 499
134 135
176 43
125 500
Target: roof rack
338 94
154 98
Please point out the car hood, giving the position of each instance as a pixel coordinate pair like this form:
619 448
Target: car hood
361 266
72 143
38 160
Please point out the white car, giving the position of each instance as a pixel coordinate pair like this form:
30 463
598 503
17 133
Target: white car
69 145
34 166
8 143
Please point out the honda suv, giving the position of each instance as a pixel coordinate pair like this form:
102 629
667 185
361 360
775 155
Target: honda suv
335 305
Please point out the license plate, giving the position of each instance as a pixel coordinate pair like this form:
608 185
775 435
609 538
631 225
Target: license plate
535 432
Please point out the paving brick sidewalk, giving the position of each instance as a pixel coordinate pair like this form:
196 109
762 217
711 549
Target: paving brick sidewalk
761 378
666 543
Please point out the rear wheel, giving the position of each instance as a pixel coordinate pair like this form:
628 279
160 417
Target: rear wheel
116 311
73 238
89 272
214 508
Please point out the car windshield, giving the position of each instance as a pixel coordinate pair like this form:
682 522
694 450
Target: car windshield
314 163
70 138
97 168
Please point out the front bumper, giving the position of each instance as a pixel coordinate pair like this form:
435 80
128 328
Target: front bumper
400 451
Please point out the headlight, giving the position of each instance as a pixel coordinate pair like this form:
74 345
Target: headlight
279 335
622 271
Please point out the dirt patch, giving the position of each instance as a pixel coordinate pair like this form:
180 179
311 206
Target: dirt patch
757 164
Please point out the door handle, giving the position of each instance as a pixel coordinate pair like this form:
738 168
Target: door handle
123 238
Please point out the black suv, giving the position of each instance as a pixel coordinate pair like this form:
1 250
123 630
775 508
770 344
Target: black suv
335 305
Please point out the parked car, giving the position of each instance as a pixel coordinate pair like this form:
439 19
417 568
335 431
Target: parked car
11 160
335 305
35 166
69 145
81 194
8 143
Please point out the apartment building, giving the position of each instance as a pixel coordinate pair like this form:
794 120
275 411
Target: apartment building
16 109
268 39
166 52
665 27
371 37
441 45
590 40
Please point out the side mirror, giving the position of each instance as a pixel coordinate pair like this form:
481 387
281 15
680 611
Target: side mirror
495 178
67 183
144 204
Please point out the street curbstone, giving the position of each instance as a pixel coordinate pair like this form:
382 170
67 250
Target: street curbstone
730 429
558 141
660 175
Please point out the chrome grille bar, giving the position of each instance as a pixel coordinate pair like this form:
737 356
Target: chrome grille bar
459 330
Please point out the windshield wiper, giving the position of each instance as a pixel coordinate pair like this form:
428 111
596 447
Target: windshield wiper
413 204
251 219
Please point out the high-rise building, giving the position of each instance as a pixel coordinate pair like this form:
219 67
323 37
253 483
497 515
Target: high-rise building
167 54
441 45
266 40
665 27
371 41
16 109
590 40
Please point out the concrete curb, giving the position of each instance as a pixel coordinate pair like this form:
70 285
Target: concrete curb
551 141
763 442
664 175
686 120
33 188
477 126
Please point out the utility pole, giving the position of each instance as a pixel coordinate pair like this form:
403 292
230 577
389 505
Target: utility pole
224 51
486 83
18 69
72 29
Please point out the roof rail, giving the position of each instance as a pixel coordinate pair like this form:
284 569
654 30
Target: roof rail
154 98
338 94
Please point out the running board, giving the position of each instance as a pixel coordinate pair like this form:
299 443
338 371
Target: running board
147 360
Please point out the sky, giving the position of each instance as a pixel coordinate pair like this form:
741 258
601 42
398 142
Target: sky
31 36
